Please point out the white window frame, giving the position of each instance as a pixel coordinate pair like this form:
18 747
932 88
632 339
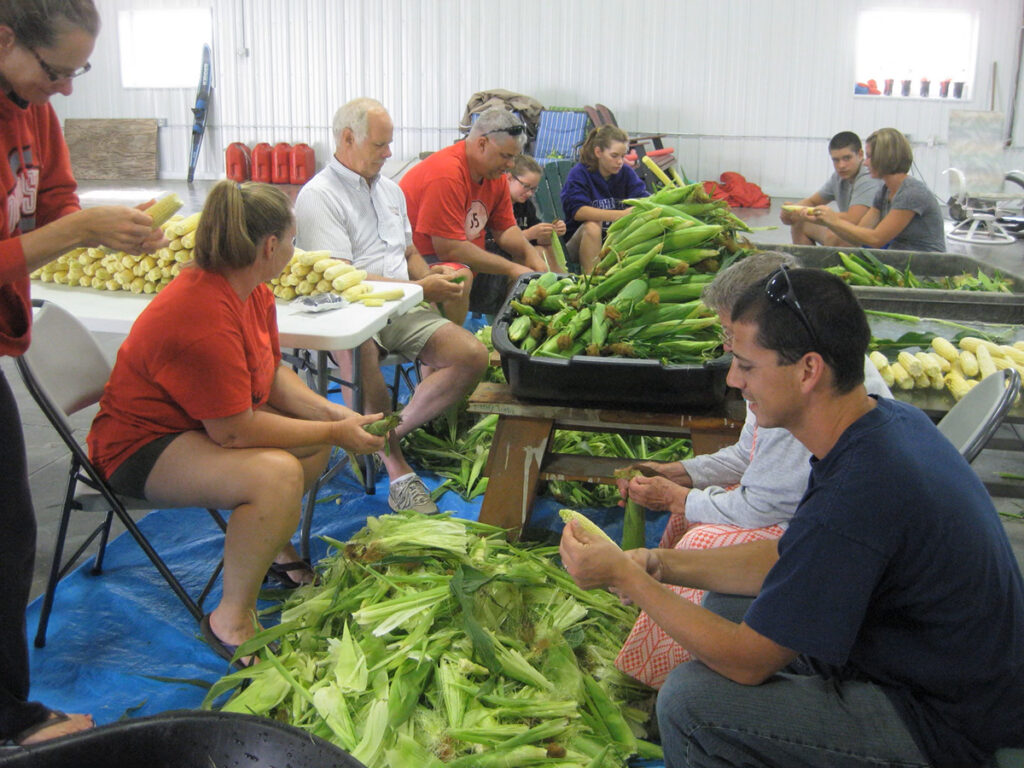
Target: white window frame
163 47
912 42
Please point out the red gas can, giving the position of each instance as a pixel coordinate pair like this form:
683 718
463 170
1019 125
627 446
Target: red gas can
303 164
238 161
279 163
261 162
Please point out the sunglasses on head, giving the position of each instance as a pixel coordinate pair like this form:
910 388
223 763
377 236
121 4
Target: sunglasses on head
779 290
512 130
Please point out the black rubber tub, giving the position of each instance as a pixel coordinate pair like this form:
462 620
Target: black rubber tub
185 739
605 381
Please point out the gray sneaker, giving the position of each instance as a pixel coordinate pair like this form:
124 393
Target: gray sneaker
411 494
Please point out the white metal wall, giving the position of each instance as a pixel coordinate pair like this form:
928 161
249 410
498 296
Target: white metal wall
754 86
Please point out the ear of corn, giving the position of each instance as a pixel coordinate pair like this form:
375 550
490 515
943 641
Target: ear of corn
391 294
309 258
164 208
945 348
585 523
956 384
902 378
972 344
353 293
336 269
968 363
910 363
985 365
928 365
183 226
348 279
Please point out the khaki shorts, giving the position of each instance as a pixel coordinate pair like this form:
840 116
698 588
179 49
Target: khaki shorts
408 334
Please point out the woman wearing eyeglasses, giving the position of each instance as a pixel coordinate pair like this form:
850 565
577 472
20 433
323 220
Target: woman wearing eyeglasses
523 181
594 190
44 44
905 214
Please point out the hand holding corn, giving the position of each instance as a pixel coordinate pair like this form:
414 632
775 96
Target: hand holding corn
353 435
591 558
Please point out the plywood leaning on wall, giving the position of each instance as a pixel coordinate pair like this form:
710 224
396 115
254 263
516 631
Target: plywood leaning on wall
112 149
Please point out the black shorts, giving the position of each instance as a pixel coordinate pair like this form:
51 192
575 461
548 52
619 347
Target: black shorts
130 478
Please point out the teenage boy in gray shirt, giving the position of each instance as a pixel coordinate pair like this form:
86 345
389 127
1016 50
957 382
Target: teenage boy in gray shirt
851 187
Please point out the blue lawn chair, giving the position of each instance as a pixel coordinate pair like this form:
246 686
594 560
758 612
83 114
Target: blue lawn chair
560 134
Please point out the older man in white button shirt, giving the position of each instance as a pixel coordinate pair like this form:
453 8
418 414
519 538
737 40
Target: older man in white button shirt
358 215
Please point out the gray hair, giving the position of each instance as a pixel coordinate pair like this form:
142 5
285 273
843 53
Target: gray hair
497 120
356 117
721 293
36 23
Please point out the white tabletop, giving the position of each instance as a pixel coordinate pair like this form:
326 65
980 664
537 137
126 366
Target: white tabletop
345 328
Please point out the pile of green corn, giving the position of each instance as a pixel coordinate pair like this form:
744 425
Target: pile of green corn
867 270
642 299
432 641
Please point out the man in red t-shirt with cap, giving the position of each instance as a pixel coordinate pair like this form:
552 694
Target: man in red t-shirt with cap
458 192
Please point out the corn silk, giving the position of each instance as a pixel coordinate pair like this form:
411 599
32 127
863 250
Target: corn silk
432 641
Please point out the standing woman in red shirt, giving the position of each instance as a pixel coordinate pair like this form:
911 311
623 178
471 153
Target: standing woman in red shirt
44 44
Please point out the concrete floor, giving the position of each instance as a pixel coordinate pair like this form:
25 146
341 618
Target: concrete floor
48 459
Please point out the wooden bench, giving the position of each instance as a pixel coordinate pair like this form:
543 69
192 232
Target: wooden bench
520 455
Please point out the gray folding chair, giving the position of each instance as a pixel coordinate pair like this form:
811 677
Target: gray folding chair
65 372
972 421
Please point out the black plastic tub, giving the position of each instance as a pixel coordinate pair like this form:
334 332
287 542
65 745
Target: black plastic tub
185 739
605 381
926 302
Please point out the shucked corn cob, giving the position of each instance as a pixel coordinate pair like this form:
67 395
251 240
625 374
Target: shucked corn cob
956 370
584 522
107 270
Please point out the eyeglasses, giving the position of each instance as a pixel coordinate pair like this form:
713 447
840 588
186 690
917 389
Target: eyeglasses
523 184
53 74
779 289
512 130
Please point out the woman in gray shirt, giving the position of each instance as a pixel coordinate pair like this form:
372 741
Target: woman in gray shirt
905 214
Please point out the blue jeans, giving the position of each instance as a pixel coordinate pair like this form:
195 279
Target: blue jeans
795 718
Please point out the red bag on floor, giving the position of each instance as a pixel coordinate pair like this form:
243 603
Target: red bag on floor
737 191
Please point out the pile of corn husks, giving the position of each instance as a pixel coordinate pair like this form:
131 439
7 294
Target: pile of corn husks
432 641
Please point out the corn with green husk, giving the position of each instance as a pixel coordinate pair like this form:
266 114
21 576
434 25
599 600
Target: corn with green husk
634 520
462 654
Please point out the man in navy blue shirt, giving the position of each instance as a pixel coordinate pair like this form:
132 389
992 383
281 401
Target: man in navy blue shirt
887 624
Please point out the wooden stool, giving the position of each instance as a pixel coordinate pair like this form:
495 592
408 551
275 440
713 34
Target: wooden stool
520 454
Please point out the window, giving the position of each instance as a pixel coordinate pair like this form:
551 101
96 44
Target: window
163 48
917 52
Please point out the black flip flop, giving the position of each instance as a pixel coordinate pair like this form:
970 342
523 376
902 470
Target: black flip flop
224 650
281 573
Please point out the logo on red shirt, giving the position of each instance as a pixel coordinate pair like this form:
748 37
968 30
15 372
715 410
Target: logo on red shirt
476 220
21 202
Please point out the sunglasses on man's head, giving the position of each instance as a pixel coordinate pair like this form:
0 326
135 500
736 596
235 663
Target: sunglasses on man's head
512 130
779 289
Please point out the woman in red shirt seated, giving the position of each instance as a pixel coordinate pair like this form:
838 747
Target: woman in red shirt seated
199 411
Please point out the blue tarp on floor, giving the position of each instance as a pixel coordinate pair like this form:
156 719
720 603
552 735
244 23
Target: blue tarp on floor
115 638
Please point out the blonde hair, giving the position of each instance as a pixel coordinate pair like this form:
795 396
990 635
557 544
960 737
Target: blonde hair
602 137
890 152
526 164
236 218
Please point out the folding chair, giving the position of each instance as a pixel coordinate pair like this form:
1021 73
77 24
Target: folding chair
65 372
560 134
972 421
549 192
